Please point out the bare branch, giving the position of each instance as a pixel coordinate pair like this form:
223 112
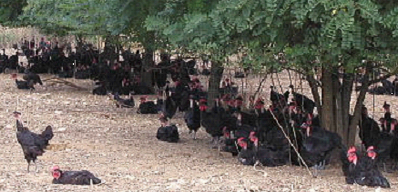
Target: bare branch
291 144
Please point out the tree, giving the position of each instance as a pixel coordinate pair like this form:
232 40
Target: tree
335 36
332 35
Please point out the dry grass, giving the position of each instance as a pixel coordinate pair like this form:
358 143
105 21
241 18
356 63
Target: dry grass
120 147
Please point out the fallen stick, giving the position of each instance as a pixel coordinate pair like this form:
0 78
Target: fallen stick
59 80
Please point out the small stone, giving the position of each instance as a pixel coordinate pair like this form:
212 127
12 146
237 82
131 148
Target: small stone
61 129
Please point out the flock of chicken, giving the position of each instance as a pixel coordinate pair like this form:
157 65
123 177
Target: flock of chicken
287 132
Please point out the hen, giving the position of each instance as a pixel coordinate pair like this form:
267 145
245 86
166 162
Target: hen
147 107
212 121
32 77
269 155
22 84
120 102
167 132
73 177
32 144
247 155
317 146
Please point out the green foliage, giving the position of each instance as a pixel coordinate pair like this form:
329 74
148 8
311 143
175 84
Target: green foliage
10 10
333 32
83 17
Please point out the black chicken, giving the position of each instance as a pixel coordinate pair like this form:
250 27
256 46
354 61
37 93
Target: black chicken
361 169
192 118
247 155
169 106
369 130
32 77
32 144
277 98
147 107
121 103
212 122
73 177
269 155
388 123
317 146
22 84
230 142
302 101
167 132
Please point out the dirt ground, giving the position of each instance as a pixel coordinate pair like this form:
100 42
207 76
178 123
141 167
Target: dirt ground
120 147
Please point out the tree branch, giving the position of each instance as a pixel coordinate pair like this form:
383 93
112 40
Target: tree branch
315 93
359 102
260 85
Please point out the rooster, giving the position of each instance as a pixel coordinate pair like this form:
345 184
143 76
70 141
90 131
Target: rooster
73 177
192 118
32 144
361 169
169 106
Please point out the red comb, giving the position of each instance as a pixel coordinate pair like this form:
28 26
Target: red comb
371 148
352 150
55 167
241 139
202 100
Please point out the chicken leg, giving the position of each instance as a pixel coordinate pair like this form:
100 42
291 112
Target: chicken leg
194 135
36 169
317 167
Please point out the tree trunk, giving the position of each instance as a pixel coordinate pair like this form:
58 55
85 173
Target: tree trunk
358 106
337 107
79 42
314 90
109 49
328 101
336 100
217 71
147 62
348 135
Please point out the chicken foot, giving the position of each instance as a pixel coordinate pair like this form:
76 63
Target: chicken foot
320 166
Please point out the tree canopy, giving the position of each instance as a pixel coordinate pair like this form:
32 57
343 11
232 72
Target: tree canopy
332 35
10 11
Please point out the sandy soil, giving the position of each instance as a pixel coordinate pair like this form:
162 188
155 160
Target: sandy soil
120 147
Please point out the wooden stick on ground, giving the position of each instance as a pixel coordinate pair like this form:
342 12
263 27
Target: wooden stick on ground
59 80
